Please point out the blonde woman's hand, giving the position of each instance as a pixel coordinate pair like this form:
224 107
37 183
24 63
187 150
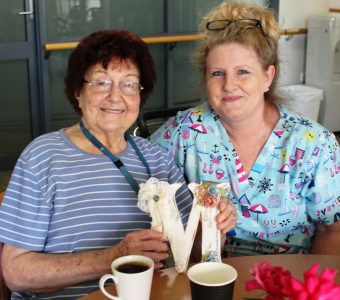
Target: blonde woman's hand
227 218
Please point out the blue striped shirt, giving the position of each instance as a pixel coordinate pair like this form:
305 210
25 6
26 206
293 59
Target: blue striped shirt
61 199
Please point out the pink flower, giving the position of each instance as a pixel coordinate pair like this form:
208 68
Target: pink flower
209 201
279 283
315 287
270 279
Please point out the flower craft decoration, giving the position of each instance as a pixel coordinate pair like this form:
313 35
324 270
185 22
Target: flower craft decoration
207 195
280 284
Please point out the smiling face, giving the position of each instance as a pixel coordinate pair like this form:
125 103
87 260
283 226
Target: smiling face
107 112
236 81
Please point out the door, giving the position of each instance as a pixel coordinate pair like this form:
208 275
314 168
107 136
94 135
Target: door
19 118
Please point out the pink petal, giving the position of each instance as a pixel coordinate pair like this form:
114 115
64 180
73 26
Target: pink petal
303 296
327 286
297 285
334 293
312 271
299 296
330 295
253 285
312 284
328 274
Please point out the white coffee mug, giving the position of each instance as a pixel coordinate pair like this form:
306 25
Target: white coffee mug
132 275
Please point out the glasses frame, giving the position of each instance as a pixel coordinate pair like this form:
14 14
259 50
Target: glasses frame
112 85
227 22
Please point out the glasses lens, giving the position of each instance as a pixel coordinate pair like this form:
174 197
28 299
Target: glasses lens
218 24
249 22
222 24
102 85
125 87
129 88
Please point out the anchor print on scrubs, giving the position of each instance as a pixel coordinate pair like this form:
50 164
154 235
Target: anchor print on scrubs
215 158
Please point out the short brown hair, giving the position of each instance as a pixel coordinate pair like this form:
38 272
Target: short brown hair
100 48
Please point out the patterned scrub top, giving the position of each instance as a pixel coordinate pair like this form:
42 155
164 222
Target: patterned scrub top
293 184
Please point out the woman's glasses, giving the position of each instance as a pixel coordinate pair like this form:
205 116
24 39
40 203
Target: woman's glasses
126 87
222 24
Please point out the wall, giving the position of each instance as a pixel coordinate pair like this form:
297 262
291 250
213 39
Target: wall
294 14
334 3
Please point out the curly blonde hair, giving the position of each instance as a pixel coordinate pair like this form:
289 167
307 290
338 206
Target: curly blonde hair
263 39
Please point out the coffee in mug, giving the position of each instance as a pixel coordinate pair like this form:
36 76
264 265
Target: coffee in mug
132 276
134 267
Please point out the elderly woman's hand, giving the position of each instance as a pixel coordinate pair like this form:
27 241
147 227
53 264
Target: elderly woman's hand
227 218
148 242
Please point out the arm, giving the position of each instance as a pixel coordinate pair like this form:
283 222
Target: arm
26 270
326 239
322 211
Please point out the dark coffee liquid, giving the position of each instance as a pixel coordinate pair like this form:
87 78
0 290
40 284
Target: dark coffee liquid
132 267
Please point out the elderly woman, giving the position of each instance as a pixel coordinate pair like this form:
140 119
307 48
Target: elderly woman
283 168
71 205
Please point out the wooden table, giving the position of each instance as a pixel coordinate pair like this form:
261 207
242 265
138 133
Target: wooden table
169 285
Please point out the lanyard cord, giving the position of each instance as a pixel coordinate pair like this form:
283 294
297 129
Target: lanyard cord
118 163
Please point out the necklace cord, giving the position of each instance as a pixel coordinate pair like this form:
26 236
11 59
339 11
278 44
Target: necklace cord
117 162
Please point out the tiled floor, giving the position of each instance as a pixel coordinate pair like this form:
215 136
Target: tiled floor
5 175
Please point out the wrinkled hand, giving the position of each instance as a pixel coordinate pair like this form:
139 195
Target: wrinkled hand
150 243
227 218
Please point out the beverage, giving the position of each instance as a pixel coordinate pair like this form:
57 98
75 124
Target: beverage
132 276
132 267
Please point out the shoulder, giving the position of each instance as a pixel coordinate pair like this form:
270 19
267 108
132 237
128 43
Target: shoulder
159 159
47 138
198 114
43 142
47 148
179 125
148 147
305 129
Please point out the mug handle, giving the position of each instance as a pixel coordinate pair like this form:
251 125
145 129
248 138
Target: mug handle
102 281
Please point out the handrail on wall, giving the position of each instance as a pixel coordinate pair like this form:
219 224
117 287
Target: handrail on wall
148 40
334 9
293 31
163 39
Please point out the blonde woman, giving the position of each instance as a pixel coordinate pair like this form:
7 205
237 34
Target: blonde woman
283 168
